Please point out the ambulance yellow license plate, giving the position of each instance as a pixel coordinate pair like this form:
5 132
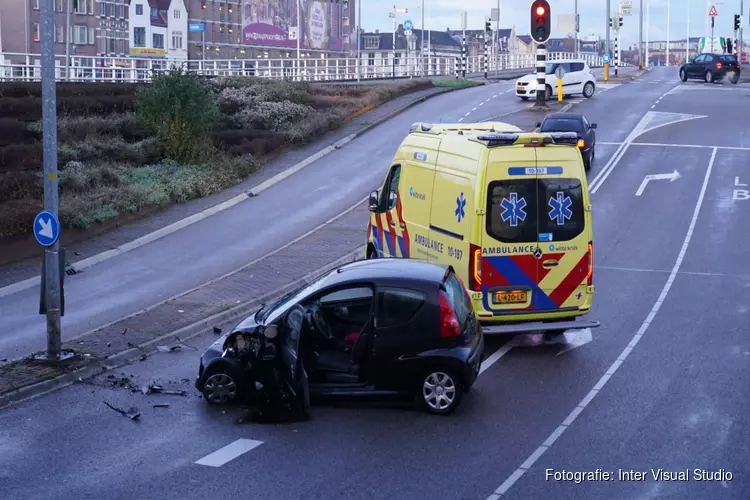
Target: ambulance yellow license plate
511 297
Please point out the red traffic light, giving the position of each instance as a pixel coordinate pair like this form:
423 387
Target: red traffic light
540 11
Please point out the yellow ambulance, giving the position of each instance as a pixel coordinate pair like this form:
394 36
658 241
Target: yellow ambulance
508 210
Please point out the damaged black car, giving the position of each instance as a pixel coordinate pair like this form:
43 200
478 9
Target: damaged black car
385 327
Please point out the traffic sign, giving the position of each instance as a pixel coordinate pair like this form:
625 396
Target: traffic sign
293 33
408 25
713 12
46 228
196 27
605 58
560 72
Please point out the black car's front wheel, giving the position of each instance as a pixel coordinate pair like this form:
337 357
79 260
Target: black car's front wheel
683 75
440 391
709 76
222 385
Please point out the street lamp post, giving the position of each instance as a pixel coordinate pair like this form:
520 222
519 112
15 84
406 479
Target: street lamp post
359 39
669 20
421 45
299 35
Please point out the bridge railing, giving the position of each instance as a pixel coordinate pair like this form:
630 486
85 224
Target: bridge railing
27 67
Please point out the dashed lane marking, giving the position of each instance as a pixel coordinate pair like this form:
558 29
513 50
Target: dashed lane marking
518 473
467 113
229 452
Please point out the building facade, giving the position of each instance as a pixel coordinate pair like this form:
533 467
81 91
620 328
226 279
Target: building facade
158 29
265 29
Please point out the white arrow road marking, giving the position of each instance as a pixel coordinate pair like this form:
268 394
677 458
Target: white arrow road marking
657 177
46 229
570 339
573 339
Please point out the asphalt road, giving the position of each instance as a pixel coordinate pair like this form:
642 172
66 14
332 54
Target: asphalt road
663 385
234 237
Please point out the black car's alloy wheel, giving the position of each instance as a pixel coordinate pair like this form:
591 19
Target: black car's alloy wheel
709 77
683 75
440 392
220 387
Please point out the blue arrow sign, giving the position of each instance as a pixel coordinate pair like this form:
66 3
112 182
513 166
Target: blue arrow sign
46 228
196 27
408 25
605 58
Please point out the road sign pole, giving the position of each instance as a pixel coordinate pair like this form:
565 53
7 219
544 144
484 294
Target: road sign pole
51 201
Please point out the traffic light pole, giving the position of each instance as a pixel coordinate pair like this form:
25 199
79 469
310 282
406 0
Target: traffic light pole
541 76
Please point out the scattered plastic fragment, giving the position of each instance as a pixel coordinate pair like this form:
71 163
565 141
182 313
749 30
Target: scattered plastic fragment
161 405
132 413
157 389
217 330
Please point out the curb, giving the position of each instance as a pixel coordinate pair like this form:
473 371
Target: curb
188 332
220 207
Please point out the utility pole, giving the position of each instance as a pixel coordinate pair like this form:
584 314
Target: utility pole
421 44
67 41
46 225
640 37
741 45
648 26
609 16
359 38
577 26
669 20
299 47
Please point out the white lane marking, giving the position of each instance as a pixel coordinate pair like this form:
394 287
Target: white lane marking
229 452
461 119
495 356
481 104
474 108
494 95
666 271
468 113
703 146
653 106
508 483
609 143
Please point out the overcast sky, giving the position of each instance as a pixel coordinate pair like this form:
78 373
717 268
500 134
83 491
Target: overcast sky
447 13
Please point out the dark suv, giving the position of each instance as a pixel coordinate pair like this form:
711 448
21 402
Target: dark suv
375 327
711 68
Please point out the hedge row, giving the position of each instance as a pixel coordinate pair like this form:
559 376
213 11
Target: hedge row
29 108
69 89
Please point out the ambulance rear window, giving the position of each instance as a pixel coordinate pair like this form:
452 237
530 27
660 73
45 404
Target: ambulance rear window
520 210
561 208
512 210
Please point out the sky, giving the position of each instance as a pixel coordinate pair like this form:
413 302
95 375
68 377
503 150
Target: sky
593 15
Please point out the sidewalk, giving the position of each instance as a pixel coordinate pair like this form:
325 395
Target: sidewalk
193 313
30 267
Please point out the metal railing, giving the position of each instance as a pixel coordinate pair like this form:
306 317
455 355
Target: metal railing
27 67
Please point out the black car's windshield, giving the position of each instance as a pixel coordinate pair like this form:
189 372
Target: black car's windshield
263 313
561 125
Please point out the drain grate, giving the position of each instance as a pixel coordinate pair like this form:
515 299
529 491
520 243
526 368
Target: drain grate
70 271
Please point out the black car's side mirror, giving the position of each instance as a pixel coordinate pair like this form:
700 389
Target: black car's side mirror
374 201
593 125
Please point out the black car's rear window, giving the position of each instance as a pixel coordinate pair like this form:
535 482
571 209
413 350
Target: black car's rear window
728 58
561 125
459 299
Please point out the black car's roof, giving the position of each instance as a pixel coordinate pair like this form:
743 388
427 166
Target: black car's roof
567 116
407 270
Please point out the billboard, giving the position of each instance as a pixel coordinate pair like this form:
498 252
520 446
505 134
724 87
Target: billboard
266 23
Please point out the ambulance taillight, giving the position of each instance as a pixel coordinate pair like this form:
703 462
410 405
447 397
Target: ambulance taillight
590 275
475 268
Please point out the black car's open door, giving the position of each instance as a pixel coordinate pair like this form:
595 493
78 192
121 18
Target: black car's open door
292 372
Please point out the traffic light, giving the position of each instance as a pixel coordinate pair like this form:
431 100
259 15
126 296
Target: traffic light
610 23
487 26
729 45
619 25
541 24
737 22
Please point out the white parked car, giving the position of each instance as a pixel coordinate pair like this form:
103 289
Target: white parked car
578 79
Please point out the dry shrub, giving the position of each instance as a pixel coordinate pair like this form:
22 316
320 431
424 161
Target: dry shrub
20 184
21 156
14 131
17 216
77 128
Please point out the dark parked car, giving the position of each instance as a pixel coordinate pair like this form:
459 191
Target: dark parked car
573 122
711 68
378 327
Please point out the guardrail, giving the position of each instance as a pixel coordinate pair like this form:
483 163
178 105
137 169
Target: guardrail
27 67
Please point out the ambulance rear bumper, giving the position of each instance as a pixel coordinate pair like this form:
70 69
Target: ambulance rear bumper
539 326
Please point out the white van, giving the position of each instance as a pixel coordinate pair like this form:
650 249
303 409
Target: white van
578 79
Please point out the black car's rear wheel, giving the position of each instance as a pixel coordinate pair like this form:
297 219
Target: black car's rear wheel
683 75
734 78
709 76
440 391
